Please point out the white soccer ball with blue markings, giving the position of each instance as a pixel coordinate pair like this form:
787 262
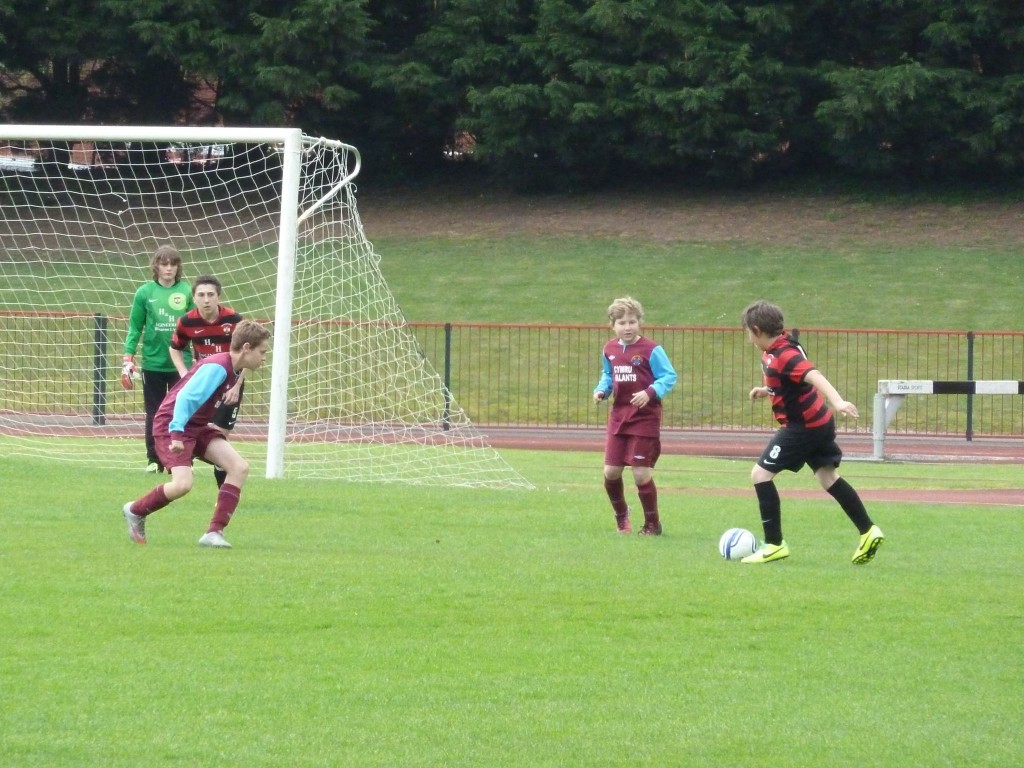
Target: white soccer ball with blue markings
737 543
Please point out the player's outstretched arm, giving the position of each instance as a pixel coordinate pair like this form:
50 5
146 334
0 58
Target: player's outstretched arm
831 394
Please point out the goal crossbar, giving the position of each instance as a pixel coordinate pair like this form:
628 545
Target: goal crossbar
147 133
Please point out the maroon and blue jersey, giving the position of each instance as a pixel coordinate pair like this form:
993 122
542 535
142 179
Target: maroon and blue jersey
794 401
628 369
194 400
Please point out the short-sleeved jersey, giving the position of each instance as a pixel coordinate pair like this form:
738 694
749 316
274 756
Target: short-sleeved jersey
794 401
202 400
627 370
154 314
207 338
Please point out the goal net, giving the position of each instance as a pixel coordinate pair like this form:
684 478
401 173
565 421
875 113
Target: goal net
347 392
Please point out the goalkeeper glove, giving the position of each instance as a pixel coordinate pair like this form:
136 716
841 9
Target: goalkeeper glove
128 372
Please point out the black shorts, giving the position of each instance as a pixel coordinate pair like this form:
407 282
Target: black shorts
226 415
793 446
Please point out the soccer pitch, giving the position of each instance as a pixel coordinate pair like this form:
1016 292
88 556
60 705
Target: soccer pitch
369 625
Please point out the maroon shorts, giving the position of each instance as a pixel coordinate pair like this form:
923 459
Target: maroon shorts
631 451
196 441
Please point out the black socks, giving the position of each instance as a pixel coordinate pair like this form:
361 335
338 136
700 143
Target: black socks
771 511
848 499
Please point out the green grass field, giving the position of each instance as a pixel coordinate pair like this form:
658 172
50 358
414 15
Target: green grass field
383 625
567 280
368 625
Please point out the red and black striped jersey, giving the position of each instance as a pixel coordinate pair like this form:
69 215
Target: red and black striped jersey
794 401
206 338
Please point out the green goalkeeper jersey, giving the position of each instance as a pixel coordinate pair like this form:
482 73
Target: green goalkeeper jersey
154 316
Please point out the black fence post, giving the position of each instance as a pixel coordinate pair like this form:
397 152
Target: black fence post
99 370
970 377
447 418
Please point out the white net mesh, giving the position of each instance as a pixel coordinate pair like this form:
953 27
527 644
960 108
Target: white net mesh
79 222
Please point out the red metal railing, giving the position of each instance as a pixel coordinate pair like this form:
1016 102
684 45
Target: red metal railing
527 375
544 376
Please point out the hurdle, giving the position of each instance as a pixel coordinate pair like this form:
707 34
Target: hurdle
892 392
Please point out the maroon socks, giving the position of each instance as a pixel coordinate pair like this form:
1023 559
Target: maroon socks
227 503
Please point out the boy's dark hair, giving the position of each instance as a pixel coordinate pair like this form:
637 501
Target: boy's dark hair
764 316
248 332
207 280
166 254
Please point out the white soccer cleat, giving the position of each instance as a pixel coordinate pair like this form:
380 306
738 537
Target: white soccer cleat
136 524
214 539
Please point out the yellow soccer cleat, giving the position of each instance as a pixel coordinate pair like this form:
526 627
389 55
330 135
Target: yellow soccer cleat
768 553
869 544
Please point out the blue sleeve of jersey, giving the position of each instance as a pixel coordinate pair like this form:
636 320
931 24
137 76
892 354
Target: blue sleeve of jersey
604 384
664 373
197 390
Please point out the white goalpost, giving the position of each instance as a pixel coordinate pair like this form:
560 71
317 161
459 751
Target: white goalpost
272 213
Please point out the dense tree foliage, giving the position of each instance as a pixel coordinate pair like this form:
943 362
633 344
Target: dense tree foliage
604 88
940 93
578 91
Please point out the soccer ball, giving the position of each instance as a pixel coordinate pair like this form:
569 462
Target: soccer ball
737 543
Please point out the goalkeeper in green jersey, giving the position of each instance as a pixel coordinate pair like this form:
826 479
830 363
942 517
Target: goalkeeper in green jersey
156 308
